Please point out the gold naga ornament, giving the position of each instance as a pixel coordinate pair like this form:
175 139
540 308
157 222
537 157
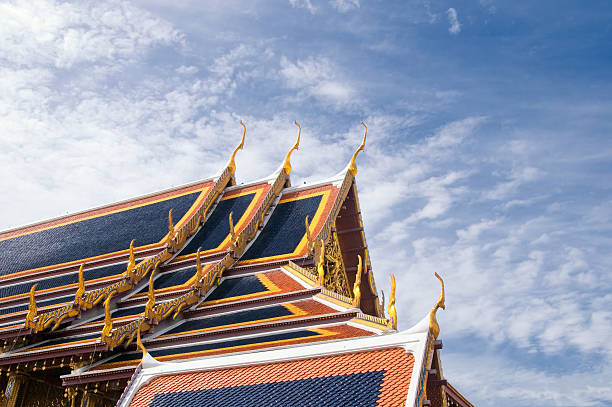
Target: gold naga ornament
356 288
149 306
78 297
391 308
32 311
108 321
232 162
171 231
353 164
433 323
139 344
296 146
132 262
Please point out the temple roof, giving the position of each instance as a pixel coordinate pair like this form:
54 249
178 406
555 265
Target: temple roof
202 272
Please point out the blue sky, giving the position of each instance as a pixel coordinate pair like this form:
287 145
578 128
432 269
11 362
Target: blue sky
488 158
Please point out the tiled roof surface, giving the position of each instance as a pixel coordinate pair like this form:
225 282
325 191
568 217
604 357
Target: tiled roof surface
217 225
285 228
93 236
375 378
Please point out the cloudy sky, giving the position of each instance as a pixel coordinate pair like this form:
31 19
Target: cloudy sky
488 159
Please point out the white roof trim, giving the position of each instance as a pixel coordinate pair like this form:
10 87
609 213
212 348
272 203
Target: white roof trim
414 343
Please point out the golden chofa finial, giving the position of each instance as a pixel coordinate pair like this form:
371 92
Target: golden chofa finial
132 262
108 321
32 311
149 312
433 323
391 308
139 342
356 288
287 163
353 165
78 297
232 163
170 227
232 232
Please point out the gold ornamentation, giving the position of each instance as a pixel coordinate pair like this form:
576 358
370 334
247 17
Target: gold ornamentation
139 343
232 163
232 244
353 165
308 237
149 310
287 163
391 309
108 321
356 288
78 297
321 263
433 323
132 263
330 267
32 311
171 231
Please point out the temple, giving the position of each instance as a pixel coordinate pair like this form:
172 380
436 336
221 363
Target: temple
212 294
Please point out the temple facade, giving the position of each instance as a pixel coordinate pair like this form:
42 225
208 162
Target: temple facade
212 294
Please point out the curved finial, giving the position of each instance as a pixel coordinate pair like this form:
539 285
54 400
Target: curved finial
108 321
149 311
353 165
78 297
433 323
232 163
132 263
356 288
391 308
170 226
32 310
296 146
139 342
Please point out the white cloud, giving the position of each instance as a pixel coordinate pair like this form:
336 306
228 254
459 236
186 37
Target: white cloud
455 25
344 5
318 78
307 4
43 32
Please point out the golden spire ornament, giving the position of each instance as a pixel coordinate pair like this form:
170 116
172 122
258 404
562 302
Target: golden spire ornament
149 312
170 226
433 322
356 286
132 262
32 311
232 162
139 342
108 321
391 308
78 297
353 164
199 272
296 146
232 232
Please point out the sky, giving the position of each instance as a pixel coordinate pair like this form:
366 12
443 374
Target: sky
488 158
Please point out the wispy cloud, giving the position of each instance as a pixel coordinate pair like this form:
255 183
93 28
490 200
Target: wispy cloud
344 5
305 4
318 78
453 20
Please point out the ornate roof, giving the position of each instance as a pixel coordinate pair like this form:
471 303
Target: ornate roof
203 272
